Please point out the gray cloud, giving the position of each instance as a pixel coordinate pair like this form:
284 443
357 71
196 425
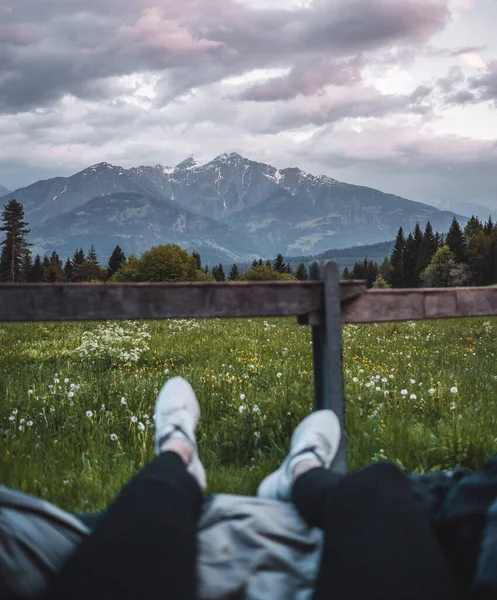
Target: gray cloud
65 47
486 84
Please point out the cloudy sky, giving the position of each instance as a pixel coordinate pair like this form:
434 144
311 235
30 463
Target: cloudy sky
395 94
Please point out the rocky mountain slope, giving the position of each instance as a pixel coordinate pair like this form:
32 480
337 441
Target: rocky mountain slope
106 221
271 210
3 191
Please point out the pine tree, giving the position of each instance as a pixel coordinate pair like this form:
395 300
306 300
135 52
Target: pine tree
206 269
301 273
52 269
346 273
279 263
473 227
90 269
27 267
14 246
195 255
488 228
68 270
410 263
260 262
397 261
218 273
456 242
268 263
117 258
234 273
37 270
77 261
254 263
427 248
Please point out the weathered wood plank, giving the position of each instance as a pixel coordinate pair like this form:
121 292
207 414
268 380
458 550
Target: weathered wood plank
415 304
79 302
93 302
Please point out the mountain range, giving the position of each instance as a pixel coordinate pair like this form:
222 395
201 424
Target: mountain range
3 190
229 209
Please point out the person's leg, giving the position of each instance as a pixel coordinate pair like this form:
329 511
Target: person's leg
378 544
144 546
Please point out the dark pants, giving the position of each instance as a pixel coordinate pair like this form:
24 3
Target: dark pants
144 546
378 542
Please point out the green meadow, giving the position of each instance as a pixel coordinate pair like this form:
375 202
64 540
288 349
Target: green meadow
77 400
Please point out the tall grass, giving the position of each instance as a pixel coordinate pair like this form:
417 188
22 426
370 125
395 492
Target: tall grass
76 400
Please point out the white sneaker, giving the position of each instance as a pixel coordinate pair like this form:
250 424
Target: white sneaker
316 437
177 412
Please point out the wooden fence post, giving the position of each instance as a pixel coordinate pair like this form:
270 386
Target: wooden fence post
327 351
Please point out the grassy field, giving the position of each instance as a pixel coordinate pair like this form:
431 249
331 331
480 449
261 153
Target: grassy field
77 399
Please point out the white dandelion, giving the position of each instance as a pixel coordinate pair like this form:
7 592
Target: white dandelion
141 426
453 390
113 437
403 392
89 414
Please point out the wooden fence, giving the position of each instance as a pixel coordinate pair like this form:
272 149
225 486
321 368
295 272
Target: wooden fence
324 303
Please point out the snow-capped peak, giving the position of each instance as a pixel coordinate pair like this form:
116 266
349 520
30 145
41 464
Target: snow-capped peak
187 164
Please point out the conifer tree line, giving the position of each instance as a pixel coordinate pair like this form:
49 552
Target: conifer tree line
162 263
428 259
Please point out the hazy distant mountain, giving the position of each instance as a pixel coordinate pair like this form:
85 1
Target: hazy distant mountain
288 210
3 191
336 216
137 222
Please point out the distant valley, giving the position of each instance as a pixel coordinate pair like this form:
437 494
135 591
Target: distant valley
230 210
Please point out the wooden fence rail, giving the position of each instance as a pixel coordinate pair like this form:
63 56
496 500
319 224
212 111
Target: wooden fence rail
95 302
323 303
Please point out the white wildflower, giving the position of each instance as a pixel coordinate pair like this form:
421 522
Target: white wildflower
256 408
279 374
141 426
14 411
403 392
134 419
241 408
21 427
412 397
123 401
431 391
30 392
89 414
453 390
29 423
71 394
242 396
12 418
113 437
66 380
355 379
413 381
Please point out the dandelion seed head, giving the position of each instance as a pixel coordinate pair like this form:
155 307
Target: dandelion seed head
242 396
403 392
113 437
89 414
141 426
453 390
134 419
